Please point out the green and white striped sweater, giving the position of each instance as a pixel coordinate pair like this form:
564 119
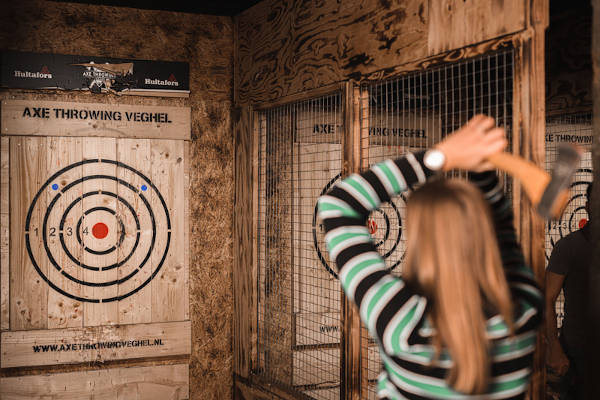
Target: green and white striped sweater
395 314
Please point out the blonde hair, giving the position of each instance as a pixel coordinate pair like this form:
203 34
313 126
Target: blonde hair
453 257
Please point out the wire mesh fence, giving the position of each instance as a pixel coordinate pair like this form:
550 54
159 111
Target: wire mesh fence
299 300
577 129
300 158
414 112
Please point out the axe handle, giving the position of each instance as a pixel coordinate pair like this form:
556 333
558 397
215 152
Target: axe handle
533 179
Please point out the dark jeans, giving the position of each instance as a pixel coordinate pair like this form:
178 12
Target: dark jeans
571 384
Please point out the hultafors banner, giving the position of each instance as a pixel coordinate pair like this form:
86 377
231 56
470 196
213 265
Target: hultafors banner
22 70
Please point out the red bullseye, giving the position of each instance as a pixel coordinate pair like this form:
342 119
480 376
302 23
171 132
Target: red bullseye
100 230
582 222
372 225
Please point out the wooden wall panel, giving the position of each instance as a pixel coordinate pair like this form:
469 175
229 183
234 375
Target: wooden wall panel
285 47
528 142
64 312
458 23
28 292
139 153
206 43
22 117
89 344
4 234
244 269
64 274
168 382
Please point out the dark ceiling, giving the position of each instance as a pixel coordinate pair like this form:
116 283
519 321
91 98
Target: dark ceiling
211 7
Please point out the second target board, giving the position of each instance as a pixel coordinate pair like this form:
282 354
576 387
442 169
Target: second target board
385 225
575 215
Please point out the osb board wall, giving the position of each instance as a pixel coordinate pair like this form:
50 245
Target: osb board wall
206 43
569 62
285 47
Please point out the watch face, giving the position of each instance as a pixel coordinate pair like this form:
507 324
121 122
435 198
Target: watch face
434 159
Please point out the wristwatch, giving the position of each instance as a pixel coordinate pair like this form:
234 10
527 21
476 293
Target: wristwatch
434 159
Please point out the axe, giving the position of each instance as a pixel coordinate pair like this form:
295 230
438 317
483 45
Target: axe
549 193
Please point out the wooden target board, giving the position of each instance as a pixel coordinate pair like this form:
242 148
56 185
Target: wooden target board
95 265
575 215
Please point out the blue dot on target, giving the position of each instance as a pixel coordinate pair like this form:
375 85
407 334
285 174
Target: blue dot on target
144 188
54 186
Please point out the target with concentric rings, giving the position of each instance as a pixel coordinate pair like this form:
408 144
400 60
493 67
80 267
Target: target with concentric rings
385 226
574 215
124 237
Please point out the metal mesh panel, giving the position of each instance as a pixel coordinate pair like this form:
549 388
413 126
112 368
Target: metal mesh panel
573 128
414 112
299 301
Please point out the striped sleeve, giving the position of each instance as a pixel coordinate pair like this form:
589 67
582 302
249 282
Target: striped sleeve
362 271
520 277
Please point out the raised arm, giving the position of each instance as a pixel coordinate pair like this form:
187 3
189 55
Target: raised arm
362 271
345 208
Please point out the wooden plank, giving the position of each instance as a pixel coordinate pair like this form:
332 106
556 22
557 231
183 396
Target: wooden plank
316 367
286 48
51 118
169 287
136 154
186 226
374 364
244 303
63 311
245 389
456 23
99 343
352 354
316 167
253 323
96 210
473 50
317 328
300 96
28 291
169 382
530 89
4 234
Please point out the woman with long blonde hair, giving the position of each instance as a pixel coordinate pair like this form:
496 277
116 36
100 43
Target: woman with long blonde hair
461 321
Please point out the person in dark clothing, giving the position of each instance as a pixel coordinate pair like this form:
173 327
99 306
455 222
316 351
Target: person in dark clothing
568 270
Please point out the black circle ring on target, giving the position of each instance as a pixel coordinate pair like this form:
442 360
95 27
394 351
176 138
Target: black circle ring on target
78 263
565 225
377 244
78 230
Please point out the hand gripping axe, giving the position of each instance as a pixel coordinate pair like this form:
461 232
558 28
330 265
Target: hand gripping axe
549 193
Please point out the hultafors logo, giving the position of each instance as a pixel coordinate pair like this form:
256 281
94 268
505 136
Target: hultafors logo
42 74
171 81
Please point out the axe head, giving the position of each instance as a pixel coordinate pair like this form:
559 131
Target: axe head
556 194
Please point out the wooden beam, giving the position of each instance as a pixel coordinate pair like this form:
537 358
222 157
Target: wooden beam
141 383
255 389
283 48
351 357
59 118
454 24
529 122
4 234
97 343
244 282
